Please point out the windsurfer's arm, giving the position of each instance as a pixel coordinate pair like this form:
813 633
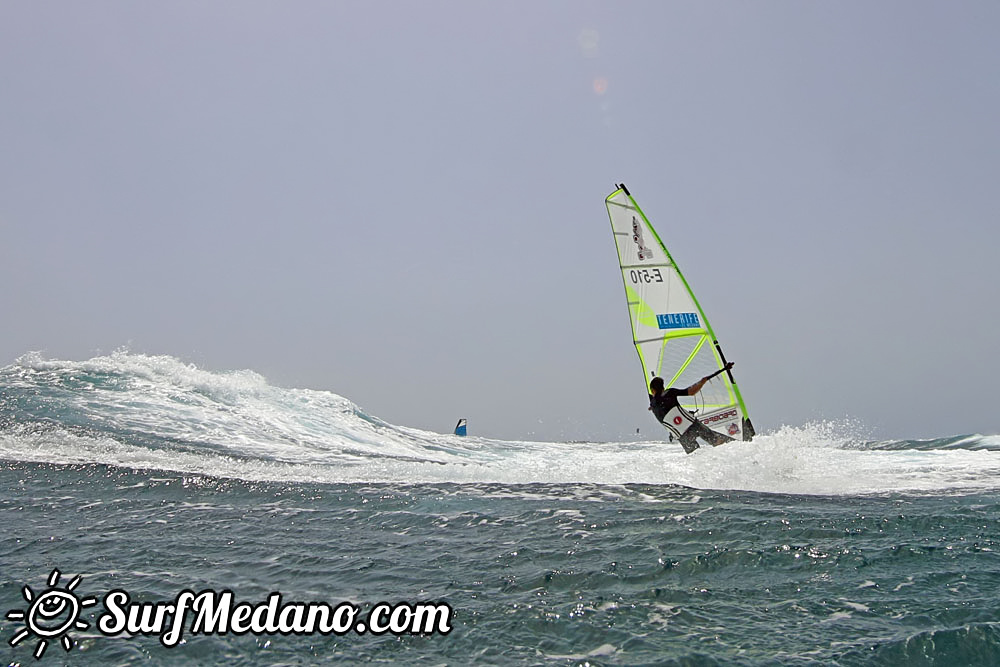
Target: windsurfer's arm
696 387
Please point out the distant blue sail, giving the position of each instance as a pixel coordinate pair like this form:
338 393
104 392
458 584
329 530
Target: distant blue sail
460 427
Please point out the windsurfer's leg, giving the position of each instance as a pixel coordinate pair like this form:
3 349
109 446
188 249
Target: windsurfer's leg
713 438
688 442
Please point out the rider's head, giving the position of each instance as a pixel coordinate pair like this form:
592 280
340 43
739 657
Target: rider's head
656 385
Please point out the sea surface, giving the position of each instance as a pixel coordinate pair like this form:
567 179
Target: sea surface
809 546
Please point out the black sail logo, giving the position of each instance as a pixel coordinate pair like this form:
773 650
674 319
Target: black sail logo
644 252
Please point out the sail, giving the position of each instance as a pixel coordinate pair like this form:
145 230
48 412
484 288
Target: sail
671 333
461 427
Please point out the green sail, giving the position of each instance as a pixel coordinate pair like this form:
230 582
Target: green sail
669 328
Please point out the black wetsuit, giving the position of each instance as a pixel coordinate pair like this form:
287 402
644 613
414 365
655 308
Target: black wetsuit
666 402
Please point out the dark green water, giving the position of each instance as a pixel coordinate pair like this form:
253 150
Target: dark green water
535 574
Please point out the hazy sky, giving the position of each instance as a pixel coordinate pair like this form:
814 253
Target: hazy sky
403 202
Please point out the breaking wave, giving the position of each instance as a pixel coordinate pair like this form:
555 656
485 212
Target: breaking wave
159 413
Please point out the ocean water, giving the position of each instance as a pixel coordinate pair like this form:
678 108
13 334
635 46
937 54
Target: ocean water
809 546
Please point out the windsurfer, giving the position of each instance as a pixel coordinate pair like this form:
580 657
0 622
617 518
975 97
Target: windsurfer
663 401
